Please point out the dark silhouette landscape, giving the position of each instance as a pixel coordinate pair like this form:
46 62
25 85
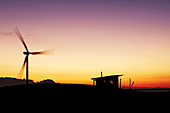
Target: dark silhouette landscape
77 89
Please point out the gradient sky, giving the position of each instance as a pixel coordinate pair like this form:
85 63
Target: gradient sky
130 37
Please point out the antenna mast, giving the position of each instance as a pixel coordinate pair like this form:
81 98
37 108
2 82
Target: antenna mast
130 84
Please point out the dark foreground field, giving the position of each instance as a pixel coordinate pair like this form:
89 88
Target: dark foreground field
80 89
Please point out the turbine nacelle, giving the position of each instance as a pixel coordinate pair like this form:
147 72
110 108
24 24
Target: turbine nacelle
26 53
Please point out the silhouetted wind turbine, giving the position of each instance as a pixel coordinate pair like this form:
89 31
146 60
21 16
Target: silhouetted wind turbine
27 53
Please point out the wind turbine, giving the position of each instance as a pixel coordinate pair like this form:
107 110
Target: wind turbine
27 53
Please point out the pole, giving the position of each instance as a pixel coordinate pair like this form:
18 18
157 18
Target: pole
27 72
120 83
129 83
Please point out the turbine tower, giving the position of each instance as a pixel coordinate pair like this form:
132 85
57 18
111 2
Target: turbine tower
27 53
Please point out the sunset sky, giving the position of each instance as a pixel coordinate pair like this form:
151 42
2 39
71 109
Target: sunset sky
130 37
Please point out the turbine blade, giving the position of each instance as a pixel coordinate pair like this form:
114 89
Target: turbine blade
22 68
47 52
16 30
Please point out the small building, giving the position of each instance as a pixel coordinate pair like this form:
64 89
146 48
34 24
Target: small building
111 81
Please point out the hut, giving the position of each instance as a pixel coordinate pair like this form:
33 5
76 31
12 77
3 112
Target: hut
111 81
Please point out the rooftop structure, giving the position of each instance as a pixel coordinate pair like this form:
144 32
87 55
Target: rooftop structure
111 81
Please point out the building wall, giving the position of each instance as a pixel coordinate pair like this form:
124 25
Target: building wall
105 82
